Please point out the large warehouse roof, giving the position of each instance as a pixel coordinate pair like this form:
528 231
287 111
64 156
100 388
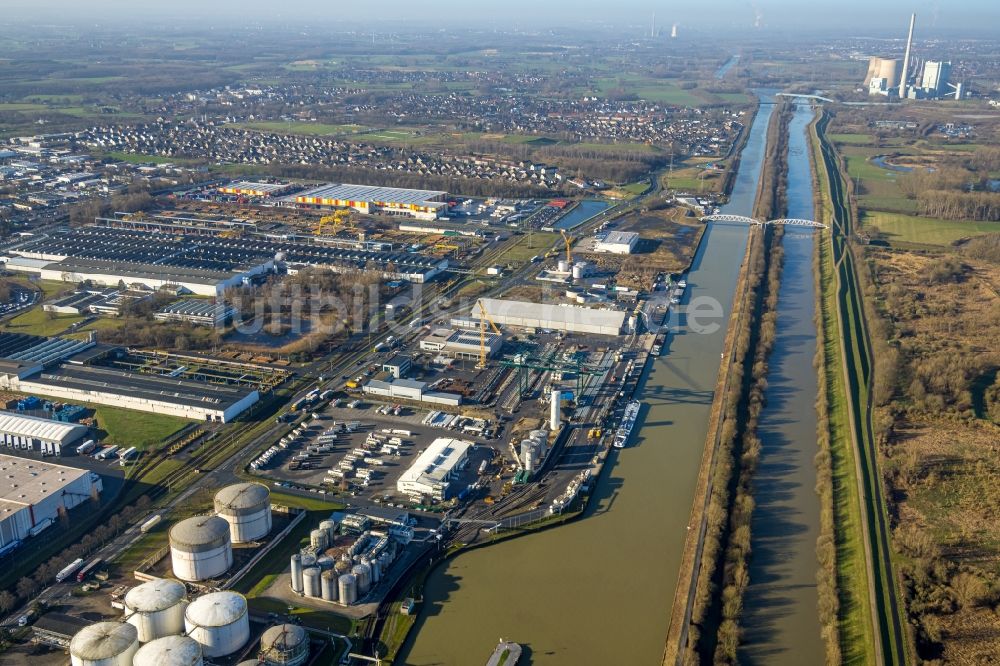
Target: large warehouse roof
549 315
346 192
30 426
435 464
27 481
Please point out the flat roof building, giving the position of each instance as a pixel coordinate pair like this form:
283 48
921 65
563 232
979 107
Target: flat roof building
398 366
617 242
409 389
30 433
422 204
569 318
248 188
460 344
431 474
35 494
202 312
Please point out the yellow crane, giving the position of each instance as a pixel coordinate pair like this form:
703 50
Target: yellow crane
338 219
567 239
483 318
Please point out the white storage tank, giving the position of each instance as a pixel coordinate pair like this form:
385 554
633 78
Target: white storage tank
156 608
363 573
200 548
284 645
318 539
347 587
169 651
563 266
330 526
310 582
247 509
578 270
104 644
328 585
219 622
296 573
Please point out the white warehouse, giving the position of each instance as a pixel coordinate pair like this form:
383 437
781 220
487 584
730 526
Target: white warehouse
35 494
617 242
433 470
569 318
31 433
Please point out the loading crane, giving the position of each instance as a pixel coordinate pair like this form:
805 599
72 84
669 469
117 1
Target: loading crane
483 318
523 363
568 240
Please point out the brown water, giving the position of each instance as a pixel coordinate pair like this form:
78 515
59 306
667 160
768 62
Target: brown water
598 590
781 620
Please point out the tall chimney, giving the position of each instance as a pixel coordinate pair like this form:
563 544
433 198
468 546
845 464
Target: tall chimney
906 58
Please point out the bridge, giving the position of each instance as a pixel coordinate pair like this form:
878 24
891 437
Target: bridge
742 219
804 96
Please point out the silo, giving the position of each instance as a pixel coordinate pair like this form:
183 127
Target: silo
318 539
156 609
247 509
347 587
325 562
554 416
376 570
563 266
219 622
363 573
328 585
104 644
310 582
330 526
342 567
200 548
578 270
284 645
169 651
297 573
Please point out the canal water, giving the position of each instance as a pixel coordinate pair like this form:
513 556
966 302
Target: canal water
780 608
599 590
582 212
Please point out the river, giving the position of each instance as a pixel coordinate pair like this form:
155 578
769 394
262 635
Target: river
598 590
780 608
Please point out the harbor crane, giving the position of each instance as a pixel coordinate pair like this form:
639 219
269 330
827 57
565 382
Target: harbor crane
338 219
483 319
568 240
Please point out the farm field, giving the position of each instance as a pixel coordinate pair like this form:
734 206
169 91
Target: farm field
928 231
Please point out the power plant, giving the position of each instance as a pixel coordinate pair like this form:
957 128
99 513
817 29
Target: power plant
892 77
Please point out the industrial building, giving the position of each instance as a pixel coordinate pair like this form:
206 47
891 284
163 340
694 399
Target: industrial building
934 82
883 74
568 318
45 436
617 242
398 366
159 394
203 313
421 204
461 344
202 265
246 188
432 472
35 494
408 389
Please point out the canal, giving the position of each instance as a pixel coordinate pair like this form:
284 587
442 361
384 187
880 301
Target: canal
599 590
780 608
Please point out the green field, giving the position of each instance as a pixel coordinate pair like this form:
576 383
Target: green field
127 427
652 90
851 139
38 322
317 129
927 231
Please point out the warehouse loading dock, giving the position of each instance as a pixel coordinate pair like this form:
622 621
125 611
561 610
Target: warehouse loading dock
568 318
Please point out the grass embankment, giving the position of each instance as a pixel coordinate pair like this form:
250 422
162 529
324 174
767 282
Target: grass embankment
842 584
858 368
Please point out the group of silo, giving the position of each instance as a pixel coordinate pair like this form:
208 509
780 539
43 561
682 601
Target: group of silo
201 547
533 449
329 579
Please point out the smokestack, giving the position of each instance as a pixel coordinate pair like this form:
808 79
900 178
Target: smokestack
906 58
673 32
652 26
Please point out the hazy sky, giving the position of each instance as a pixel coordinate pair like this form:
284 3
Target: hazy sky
855 17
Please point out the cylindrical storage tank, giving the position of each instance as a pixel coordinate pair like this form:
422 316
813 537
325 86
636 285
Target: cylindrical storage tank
219 622
156 609
325 562
169 651
284 645
328 585
308 560
342 567
249 662
363 573
247 509
347 587
330 526
200 548
578 271
318 539
104 644
310 582
563 265
376 570
297 573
